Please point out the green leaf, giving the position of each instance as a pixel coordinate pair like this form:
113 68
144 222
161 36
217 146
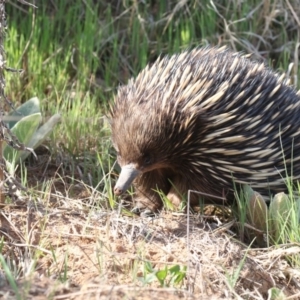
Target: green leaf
9 276
178 274
148 278
148 267
161 276
280 215
275 293
41 134
175 269
179 277
30 107
24 130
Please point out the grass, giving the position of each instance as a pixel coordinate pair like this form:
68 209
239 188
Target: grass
69 236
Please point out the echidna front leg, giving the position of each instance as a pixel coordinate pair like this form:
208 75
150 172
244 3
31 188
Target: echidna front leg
151 201
174 198
175 189
177 192
147 187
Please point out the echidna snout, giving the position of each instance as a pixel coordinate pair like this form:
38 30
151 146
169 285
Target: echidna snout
128 174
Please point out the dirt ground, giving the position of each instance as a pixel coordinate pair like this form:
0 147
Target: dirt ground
57 248
101 256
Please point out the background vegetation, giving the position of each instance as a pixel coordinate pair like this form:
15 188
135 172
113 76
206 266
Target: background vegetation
74 55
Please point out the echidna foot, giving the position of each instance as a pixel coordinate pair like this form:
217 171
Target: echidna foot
143 203
174 198
143 212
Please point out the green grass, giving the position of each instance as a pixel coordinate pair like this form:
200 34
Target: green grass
75 56
9 272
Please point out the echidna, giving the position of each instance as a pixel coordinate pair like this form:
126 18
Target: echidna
201 120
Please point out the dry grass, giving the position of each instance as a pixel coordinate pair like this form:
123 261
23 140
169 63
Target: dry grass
58 247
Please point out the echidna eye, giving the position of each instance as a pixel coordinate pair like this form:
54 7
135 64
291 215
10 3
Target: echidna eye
147 160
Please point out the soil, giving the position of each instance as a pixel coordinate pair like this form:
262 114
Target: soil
57 247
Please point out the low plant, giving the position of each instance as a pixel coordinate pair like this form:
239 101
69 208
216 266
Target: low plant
24 122
167 277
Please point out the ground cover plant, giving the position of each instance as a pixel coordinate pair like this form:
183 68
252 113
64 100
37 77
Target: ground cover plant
66 236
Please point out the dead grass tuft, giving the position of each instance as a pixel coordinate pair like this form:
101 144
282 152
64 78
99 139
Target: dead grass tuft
61 250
